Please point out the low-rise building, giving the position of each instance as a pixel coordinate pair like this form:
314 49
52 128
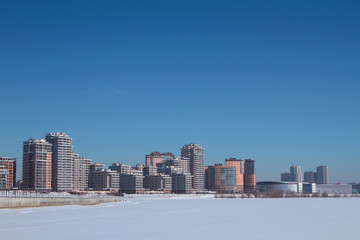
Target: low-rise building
338 188
284 187
309 187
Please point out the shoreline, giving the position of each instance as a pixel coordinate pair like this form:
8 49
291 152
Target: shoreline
30 202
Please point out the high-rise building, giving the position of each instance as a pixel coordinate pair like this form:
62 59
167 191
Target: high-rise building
225 178
322 175
156 157
8 169
285 177
237 165
92 171
249 176
37 164
295 173
194 153
309 177
80 172
61 161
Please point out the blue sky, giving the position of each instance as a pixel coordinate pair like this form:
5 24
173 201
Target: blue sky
275 81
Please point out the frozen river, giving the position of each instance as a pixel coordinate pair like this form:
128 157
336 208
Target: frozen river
188 217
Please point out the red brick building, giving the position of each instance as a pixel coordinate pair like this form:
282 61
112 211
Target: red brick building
225 178
8 172
156 157
37 157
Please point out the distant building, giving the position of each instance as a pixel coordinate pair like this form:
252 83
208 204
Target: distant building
92 170
132 183
227 178
106 180
121 168
61 161
4 179
338 188
8 172
295 173
182 183
156 157
249 176
80 172
135 172
309 177
282 187
322 175
37 164
149 170
173 166
309 187
194 153
139 167
158 183
285 177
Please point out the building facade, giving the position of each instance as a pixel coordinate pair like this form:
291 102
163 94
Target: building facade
194 153
149 170
322 175
121 168
309 177
173 166
8 169
182 183
249 176
156 157
339 188
285 177
92 171
225 178
61 161
132 183
295 173
106 180
158 183
37 164
80 172
282 187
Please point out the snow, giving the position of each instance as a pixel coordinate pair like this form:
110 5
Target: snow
188 217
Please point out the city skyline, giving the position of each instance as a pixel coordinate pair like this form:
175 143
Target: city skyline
276 81
295 174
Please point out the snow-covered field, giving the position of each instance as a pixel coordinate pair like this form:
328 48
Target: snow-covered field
188 217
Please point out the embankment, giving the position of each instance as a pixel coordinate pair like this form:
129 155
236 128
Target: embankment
24 202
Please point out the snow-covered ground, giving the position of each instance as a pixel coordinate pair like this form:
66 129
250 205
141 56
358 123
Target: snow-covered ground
188 217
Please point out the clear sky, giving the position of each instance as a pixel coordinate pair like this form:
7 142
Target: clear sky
275 81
